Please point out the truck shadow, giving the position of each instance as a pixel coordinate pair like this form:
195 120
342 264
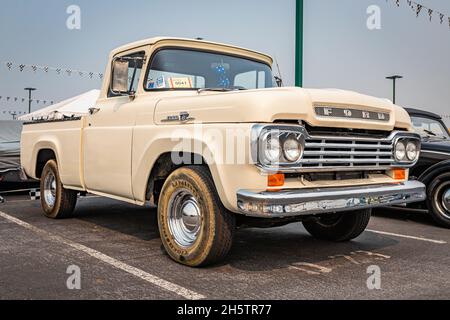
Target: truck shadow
136 221
405 214
253 249
265 250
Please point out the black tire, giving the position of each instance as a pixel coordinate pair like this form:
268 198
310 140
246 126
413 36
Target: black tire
339 227
64 200
213 228
437 209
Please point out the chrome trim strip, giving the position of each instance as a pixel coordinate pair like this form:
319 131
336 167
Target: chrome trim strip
435 152
351 153
346 160
343 145
304 202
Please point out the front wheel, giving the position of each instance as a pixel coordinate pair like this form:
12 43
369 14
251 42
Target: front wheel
339 227
439 200
196 230
57 202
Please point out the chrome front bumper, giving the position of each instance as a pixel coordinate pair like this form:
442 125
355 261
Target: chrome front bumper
303 202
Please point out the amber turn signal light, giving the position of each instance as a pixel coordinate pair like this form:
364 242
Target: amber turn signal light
276 180
399 174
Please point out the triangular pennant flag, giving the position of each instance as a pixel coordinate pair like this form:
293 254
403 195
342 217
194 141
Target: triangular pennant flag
419 9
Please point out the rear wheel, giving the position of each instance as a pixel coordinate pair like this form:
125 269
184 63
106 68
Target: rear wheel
439 200
196 230
56 201
339 227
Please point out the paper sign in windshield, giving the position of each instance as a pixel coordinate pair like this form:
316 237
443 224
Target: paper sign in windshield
180 83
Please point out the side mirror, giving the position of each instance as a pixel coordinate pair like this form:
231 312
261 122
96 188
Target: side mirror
119 83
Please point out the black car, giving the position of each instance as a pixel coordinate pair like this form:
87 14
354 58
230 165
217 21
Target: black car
433 167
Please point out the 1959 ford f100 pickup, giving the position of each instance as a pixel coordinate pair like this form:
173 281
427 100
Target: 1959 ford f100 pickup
202 131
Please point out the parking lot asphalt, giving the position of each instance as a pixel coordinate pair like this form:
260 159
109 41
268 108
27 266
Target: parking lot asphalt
118 251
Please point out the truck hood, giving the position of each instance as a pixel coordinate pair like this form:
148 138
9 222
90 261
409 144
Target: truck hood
281 104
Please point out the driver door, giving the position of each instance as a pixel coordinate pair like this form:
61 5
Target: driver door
108 137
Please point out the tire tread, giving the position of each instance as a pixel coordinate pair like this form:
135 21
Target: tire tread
65 207
350 227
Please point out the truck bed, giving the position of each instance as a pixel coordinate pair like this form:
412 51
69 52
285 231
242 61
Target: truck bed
64 138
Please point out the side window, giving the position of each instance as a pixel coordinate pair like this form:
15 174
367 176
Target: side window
135 64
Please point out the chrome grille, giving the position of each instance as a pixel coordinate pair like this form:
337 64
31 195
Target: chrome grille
344 152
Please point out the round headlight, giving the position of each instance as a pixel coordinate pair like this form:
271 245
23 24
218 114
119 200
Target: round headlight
400 151
292 150
411 151
272 150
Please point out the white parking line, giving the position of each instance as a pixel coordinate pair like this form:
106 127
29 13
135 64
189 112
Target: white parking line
407 237
169 286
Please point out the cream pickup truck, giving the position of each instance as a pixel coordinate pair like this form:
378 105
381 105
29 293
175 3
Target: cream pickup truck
203 131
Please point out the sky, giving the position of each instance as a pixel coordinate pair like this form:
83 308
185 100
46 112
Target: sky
339 50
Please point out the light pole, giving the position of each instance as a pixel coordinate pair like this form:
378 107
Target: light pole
29 97
394 80
299 43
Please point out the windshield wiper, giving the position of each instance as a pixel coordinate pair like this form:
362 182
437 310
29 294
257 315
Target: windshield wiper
431 133
221 89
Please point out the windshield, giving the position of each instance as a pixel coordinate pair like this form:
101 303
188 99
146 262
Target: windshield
188 70
428 127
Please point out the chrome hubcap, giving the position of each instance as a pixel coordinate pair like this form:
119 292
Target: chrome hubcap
446 200
50 189
184 218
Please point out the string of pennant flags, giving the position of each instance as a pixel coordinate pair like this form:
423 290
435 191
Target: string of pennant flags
9 99
14 112
419 9
22 67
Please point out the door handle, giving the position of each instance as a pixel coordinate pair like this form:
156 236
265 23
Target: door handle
93 111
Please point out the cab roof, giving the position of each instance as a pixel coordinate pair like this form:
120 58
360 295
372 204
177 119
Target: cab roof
155 40
417 112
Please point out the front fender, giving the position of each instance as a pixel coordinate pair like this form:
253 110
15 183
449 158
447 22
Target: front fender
432 172
228 175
